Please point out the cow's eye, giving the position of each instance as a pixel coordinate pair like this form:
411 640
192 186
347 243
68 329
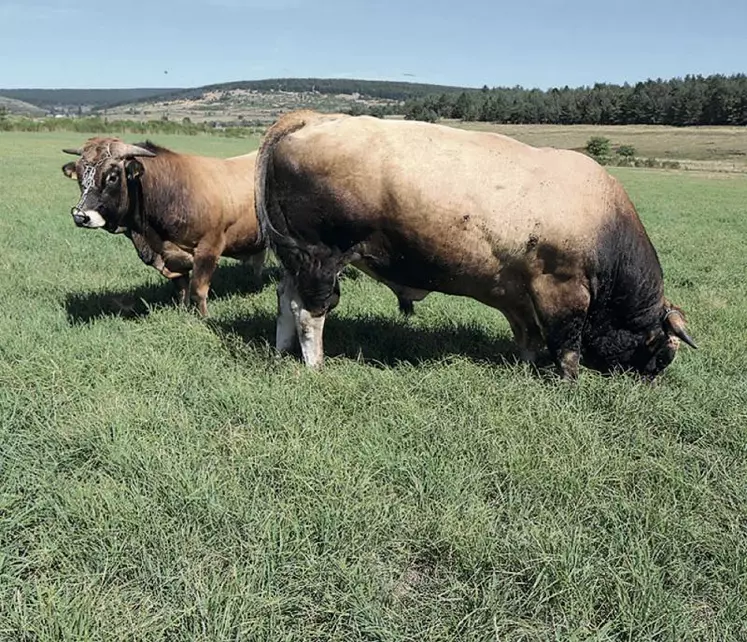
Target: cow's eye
112 178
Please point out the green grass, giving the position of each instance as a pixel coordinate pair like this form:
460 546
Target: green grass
166 478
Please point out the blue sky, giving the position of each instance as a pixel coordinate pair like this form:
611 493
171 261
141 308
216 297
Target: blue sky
543 43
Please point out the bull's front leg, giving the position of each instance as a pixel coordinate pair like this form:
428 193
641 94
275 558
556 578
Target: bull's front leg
181 285
205 261
562 305
151 257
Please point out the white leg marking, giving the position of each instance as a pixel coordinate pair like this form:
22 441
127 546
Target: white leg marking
295 322
310 331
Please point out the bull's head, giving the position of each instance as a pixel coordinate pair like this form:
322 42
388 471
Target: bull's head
648 350
104 171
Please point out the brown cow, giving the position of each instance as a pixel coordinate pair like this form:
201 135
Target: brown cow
546 236
181 212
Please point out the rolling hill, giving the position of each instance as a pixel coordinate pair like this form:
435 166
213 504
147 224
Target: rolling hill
110 98
13 106
50 99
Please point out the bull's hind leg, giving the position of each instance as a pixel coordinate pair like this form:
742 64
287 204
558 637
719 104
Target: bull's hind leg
406 298
561 305
295 320
286 337
257 263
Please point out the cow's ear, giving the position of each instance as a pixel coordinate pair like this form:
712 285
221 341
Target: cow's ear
134 169
68 169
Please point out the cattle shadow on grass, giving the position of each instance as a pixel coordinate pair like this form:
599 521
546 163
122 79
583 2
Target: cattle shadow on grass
378 341
138 302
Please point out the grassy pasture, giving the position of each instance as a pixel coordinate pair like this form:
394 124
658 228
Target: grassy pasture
167 478
717 149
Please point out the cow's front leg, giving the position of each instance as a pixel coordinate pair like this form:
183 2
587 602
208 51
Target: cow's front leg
205 262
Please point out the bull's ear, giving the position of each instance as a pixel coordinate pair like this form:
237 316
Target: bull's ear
68 169
134 169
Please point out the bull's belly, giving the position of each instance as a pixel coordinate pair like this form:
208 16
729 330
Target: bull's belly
488 284
242 251
242 241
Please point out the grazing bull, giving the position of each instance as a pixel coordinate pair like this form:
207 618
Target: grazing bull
546 236
181 212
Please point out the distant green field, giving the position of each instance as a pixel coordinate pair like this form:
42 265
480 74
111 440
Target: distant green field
710 149
168 478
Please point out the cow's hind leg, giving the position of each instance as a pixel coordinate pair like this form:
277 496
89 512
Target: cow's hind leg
562 305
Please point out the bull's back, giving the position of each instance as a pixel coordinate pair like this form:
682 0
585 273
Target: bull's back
208 198
469 198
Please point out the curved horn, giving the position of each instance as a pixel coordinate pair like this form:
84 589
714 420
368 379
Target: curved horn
127 150
674 323
74 152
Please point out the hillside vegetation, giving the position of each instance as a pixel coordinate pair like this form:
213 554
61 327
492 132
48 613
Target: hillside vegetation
247 106
692 100
13 106
99 98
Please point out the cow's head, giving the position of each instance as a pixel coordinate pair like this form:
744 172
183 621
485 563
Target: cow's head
104 171
648 351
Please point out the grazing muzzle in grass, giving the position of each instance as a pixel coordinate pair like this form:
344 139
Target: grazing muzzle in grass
648 350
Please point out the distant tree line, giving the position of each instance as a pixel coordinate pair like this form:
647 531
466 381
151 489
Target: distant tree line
97 125
693 100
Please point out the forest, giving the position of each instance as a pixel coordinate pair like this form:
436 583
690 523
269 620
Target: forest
692 100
